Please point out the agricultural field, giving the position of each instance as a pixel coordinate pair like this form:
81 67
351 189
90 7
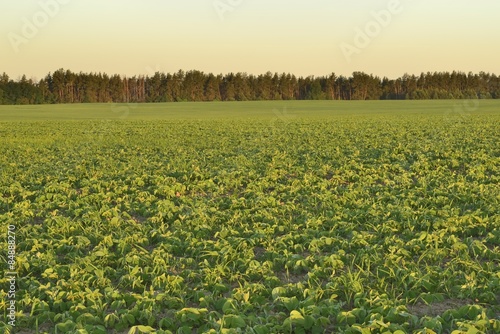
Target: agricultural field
251 217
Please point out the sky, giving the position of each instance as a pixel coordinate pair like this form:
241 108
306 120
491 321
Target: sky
313 37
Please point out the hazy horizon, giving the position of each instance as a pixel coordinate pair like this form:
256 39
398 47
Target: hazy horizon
383 38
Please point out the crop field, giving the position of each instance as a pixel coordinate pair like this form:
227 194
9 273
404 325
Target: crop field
251 217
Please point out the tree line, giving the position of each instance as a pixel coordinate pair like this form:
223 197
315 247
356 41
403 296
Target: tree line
64 86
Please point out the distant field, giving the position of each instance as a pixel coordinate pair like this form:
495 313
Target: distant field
253 217
265 109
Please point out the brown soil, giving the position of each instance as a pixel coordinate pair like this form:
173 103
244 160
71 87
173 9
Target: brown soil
421 309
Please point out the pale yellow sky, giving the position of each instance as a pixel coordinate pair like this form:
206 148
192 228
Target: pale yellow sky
383 37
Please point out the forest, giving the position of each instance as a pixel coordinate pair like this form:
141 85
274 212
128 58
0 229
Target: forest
65 86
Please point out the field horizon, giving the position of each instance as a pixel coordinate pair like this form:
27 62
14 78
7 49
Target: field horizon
246 109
